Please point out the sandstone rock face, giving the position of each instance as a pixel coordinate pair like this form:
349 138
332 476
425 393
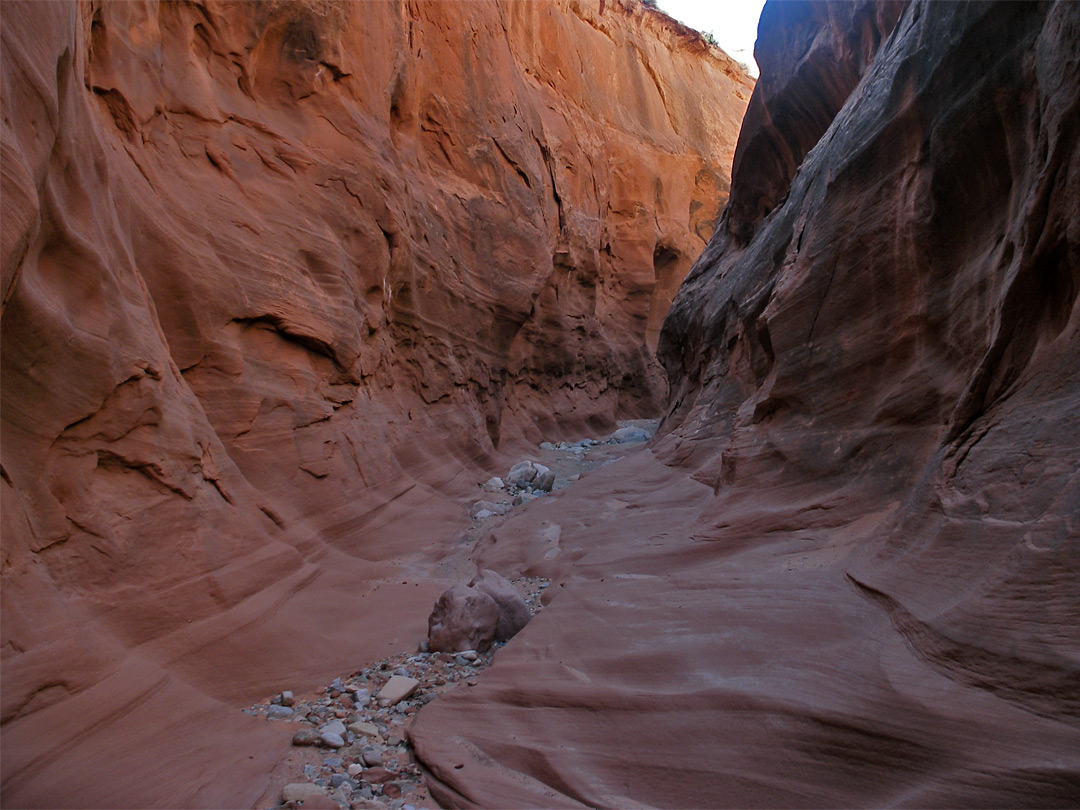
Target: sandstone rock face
852 581
513 612
274 273
464 618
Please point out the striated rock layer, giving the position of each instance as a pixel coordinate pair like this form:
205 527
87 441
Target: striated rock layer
846 574
278 279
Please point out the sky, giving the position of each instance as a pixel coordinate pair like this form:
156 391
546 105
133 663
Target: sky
732 22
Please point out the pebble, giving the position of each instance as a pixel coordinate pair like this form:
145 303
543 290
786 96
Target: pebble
336 727
364 729
468 655
493 484
361 697
279 712
371 758
306 736
377 776
287 698
547 446
397 689
355 769
338 779
332 740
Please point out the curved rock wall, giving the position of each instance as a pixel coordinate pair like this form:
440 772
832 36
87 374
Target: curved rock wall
845 574
278 275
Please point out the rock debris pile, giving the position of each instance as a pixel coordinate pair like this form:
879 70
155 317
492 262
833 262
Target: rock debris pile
529 479
361 721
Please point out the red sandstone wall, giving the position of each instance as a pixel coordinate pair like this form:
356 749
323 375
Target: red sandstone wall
276 275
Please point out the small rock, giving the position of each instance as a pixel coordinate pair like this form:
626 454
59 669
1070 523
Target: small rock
300 792
377 776
332 740
371 758
524 497
483 514
305 736
468 655
547 446
287 699
355 769
335 686
336 727
279 712
361 697
545 481
338 779
364 729
397 689
494 484
391 790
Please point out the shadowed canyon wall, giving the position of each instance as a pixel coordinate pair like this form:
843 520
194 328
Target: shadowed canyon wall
846 575
277 275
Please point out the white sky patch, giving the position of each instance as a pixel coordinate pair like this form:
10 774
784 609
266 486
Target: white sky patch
732 22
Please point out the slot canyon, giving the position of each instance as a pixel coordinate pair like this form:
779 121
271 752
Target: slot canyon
731 426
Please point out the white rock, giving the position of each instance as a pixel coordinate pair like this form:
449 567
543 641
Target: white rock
333 727
356 769
521 473
483 514
364 729
331 740
494 484
397 689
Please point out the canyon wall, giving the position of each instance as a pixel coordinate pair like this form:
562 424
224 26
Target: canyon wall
845 575
279 280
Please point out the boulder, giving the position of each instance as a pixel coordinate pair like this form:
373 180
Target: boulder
513 612
521 474
464 618
629 434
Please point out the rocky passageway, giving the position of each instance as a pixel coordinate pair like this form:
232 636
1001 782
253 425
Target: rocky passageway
286 283
350 747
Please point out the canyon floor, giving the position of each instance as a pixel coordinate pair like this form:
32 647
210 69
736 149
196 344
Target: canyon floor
377 766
